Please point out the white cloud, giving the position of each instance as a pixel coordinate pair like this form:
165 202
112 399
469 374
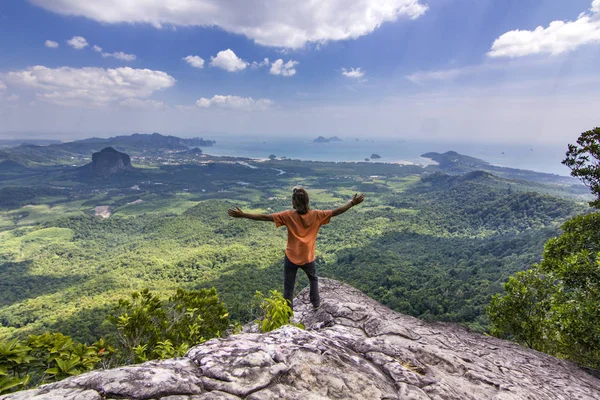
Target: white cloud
51 44
119 55
194 61
77 42
281 68
227 60
90 86
353 73
2 86
235 102
143 104
559 37
440 75
264 63
280 23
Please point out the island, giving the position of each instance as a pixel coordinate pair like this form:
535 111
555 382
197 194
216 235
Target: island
323 139
375 156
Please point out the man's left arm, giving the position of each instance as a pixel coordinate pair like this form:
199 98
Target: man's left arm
355 200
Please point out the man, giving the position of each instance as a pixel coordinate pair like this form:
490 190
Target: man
303 225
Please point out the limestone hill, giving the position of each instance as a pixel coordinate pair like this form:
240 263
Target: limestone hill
108 162
352 348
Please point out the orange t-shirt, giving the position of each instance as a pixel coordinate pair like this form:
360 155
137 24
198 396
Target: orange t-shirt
302 232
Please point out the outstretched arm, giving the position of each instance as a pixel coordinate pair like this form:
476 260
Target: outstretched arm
237 213
355 200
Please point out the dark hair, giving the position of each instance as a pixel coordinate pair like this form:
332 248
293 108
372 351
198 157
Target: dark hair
300 199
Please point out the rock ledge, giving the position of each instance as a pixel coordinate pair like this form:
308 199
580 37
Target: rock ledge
352 348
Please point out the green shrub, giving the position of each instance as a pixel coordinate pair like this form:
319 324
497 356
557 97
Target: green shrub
46 358
277 312
148 328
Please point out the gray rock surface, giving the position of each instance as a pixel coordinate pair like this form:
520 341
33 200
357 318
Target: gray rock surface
352 348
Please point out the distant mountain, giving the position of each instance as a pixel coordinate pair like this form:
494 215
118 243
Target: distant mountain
31 155
16 142
191 152
108 162
454 163
138 142
322 139
375 156
451 159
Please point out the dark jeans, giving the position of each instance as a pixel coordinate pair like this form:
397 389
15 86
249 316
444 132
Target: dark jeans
289 280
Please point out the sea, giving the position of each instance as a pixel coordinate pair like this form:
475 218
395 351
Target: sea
540 157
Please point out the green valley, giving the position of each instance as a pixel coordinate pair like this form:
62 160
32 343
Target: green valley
425 243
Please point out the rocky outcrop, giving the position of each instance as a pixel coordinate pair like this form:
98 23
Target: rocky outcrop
108 162
352 348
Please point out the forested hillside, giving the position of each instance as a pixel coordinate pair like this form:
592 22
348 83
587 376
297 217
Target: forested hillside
427 244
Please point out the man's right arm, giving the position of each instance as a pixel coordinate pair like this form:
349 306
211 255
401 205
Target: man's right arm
237 213
355 200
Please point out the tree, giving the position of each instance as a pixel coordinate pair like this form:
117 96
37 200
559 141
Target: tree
521 313
553 307
584 161
574 259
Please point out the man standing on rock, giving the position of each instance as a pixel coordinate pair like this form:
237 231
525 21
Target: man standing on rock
303 225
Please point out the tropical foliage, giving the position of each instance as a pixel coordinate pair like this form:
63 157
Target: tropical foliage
584 161
553 307
276 312
148 328
47 358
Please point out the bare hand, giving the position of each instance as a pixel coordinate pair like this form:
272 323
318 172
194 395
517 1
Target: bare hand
357 199
235 212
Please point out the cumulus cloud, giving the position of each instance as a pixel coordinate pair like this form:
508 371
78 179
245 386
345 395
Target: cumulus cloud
234 102
353 73
264 63
51 44
143 104
194 61
281 68
119 55
78 42
279 23
227 60
2 86
90 86
559 37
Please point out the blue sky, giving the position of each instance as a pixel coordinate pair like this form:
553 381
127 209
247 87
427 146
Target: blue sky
466 69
